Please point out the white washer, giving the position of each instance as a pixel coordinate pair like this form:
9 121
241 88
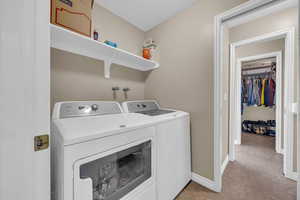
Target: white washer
173 146
100 153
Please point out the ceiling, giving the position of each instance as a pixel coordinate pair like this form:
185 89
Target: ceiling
145 14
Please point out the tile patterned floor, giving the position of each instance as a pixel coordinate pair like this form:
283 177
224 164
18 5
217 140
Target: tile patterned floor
255 175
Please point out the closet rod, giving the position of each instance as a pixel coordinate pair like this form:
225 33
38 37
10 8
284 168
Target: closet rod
253 68
258 74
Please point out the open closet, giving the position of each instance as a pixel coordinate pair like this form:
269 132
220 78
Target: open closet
258 98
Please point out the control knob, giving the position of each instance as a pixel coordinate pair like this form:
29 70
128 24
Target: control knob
94 107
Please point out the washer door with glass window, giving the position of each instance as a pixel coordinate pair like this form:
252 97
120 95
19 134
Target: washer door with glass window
114 174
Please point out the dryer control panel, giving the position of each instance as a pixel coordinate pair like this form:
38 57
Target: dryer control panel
141 106
85 108
150 108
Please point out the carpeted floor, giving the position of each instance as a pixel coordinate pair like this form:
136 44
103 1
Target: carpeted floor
255 175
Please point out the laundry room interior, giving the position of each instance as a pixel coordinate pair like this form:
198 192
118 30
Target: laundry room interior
82 76
149 100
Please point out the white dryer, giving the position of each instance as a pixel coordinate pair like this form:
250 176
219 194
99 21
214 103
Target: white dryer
173 146
101 153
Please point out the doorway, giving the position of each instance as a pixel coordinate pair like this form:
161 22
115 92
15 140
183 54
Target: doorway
241 15
258 117
281 115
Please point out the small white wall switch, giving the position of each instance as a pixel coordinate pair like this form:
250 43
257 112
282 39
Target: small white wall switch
295 108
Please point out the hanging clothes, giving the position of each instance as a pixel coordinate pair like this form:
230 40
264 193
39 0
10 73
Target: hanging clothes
263 92
267 93
273 91
260 89
250 92
270 92
242 104
258 92
244 91
255 93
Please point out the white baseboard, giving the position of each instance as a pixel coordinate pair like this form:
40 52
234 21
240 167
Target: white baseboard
224 164
281 151
237 142
292 175
205 182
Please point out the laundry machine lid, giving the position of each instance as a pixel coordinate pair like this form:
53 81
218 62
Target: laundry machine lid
78 125
78 130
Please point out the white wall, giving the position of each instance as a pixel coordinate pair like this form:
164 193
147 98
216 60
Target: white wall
254 113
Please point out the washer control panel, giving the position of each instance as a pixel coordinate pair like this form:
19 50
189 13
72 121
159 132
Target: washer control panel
88 108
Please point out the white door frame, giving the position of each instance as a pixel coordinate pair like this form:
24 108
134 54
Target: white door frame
239 15
235 99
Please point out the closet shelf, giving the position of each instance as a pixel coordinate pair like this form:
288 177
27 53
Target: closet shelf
75 43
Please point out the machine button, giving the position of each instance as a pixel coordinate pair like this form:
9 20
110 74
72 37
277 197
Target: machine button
81 107
94 107
85 109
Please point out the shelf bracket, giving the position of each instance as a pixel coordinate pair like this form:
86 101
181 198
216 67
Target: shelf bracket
107 65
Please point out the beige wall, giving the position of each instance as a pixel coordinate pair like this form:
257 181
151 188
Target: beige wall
185 78
75 77
260 48
284 19
114 28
